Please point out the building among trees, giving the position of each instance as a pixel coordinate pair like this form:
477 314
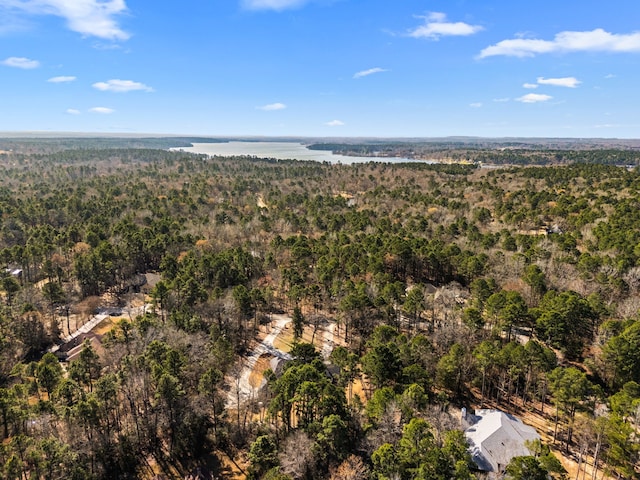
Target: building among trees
496 437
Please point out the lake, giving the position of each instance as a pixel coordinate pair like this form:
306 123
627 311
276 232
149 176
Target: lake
282 151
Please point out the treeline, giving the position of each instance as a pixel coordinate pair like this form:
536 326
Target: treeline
498 154
57 144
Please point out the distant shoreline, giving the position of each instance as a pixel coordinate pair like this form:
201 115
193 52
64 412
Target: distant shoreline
285 151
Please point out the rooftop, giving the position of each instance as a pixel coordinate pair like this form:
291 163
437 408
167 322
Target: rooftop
495 437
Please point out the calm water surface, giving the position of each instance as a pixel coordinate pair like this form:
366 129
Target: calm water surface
281 151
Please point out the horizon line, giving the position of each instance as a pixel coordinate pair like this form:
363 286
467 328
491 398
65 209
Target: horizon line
72 134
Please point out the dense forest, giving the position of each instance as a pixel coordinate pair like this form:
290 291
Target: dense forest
495 152
86 142
446 286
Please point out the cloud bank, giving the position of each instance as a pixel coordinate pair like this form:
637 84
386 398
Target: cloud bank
597 40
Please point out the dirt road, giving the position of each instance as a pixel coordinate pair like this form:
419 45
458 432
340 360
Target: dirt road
242 387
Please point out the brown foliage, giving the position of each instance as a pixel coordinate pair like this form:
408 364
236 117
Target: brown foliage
353 468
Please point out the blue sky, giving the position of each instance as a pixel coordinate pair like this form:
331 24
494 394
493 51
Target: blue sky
403 68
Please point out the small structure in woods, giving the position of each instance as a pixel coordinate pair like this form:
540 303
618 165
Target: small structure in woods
71 350
495 437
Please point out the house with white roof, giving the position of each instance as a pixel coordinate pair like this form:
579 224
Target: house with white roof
496 437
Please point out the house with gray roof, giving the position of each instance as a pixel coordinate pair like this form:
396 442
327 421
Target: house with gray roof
496 437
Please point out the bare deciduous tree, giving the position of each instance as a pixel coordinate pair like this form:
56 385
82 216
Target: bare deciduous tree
296 455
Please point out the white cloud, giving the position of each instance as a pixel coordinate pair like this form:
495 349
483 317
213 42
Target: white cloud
335 123
121 86
610 75
73 111
371 71
569 82
272 107
530 85
272 4
436 26
534 98
89 17
61 79
597 40
501 100
475 105
21 62
102 110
